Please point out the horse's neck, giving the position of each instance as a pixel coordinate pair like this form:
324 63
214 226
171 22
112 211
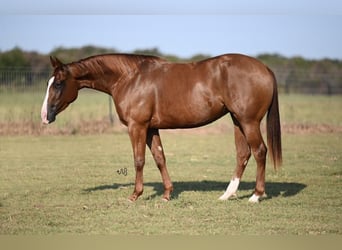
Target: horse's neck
97 81
103 74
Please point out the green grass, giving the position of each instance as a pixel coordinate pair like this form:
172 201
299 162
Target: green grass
70 185
315 109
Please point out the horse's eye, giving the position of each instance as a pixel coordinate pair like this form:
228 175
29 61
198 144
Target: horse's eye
58 85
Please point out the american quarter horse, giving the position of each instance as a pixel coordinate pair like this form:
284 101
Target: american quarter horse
151 93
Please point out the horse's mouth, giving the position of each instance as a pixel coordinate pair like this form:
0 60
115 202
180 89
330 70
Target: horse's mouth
49 119
49 116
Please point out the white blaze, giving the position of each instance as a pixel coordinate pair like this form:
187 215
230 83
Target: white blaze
43 113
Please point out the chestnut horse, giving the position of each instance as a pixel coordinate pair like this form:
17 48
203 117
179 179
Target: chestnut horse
151 93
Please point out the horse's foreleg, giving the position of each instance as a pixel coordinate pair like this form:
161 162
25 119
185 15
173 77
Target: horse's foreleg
137 135
243 154
155 145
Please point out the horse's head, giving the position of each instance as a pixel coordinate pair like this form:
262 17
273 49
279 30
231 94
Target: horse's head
61 90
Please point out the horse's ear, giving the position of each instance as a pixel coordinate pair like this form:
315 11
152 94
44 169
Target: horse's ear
55 62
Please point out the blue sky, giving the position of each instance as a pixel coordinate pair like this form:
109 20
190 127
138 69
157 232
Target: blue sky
310 29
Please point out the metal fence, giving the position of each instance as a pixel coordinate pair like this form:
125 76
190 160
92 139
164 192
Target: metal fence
22 79
289 81
305 82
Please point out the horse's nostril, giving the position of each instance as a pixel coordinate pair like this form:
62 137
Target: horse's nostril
51 113
51 117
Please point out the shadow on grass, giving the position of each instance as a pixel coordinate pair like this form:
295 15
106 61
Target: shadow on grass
273 189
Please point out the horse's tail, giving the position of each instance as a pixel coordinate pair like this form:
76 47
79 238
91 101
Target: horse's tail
274 129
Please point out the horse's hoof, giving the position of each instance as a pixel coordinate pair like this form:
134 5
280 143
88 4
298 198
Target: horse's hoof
132 198
166 197
227 196
256 198
231 189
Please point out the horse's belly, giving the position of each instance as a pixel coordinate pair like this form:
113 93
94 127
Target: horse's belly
188 115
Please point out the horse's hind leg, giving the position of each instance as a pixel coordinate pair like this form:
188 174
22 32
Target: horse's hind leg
259 150
155 145
243 153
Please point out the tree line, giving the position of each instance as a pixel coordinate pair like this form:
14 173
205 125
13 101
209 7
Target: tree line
295 74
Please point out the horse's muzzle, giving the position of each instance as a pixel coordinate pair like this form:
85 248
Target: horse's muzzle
51 114
48 116
51 118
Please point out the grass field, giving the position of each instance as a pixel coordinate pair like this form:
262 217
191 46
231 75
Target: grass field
70 184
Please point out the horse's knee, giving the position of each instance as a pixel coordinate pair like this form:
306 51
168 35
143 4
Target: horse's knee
260 152
139 163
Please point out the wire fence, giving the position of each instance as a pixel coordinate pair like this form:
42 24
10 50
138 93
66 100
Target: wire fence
21 79
306 82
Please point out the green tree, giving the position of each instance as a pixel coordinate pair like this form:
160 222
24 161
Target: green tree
14 58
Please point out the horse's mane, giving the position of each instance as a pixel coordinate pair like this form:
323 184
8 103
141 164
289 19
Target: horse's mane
102 64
